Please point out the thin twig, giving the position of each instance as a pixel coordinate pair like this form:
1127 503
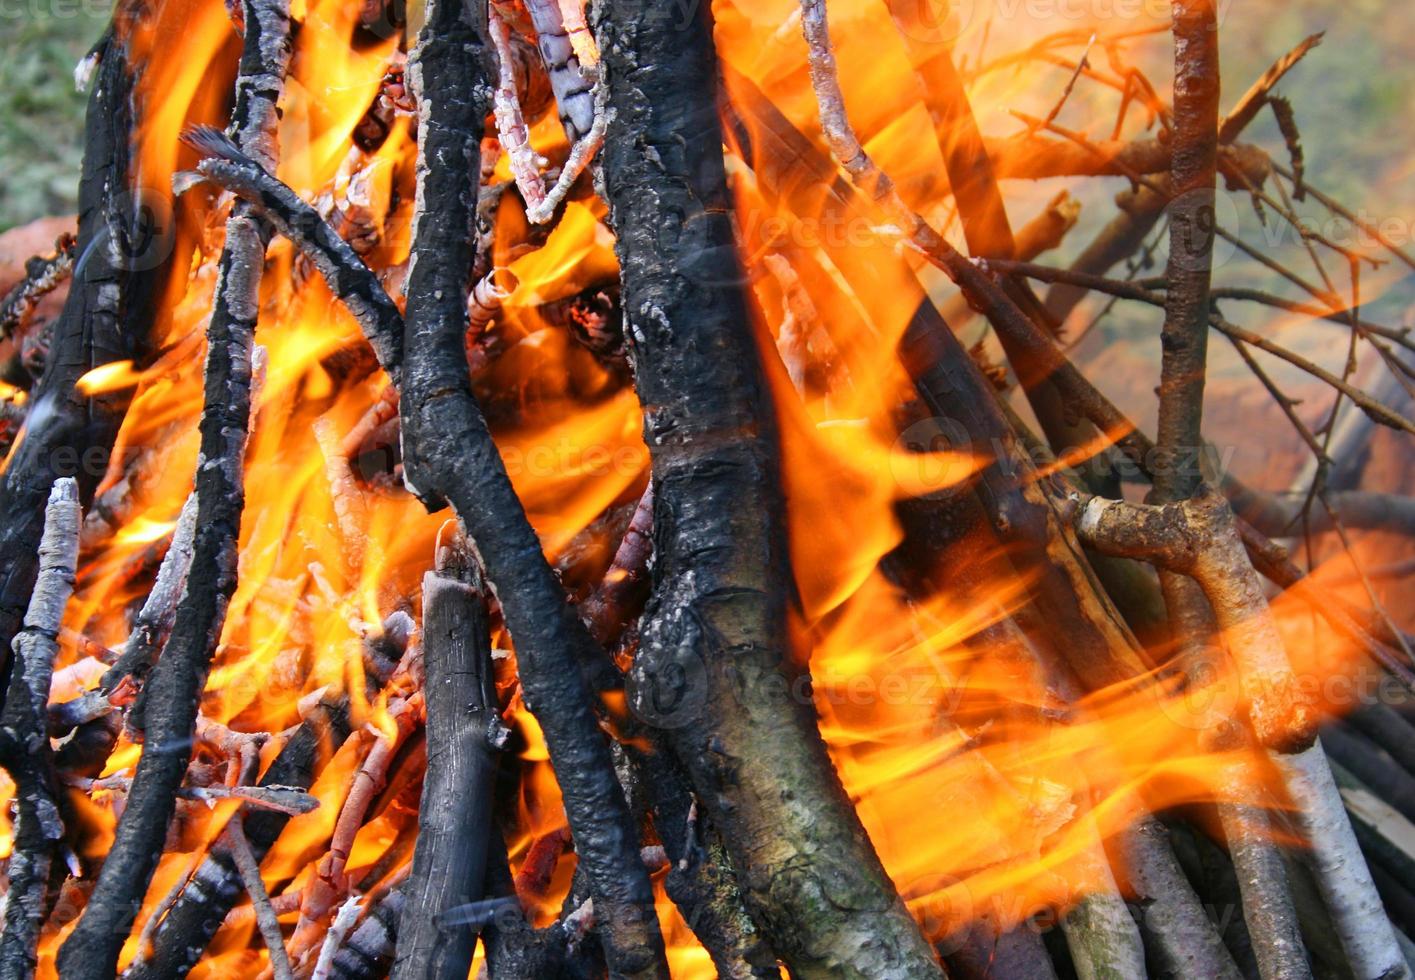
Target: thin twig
240 848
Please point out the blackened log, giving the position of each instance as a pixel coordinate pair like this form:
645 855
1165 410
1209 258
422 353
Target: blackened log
711 670
107 317
43 274
454 819
449 456
215 888
177 681
348 277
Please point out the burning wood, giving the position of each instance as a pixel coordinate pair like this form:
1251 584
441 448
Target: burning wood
640 575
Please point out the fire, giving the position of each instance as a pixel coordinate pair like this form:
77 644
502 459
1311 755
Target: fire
988 785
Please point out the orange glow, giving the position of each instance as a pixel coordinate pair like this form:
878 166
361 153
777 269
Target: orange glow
984 778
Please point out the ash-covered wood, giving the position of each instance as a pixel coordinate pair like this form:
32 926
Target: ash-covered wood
711 671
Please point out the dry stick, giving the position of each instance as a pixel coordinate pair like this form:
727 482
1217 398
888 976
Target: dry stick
1269 559
449 456
1100 932
92 949
1376 410
1336 208
24 735
42 276
1252 101
1197 538
1194 170
1143 206
350 512
1267 906
1029 156
454 817
329 882
711 672
382 411
1142 290
234 838
185 931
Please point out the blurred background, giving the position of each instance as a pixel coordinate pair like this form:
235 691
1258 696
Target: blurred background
1352 95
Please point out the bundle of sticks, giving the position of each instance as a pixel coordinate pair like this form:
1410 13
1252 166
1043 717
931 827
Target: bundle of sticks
664 651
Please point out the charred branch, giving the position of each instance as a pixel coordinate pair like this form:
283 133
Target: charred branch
711 671
24 735
108 316
348 277
449 456
43 275
176 684
214 887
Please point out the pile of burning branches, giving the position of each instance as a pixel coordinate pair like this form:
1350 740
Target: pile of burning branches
507 492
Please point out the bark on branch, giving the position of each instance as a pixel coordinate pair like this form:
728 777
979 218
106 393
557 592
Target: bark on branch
450 456
711 672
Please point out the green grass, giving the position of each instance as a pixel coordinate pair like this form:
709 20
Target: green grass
41 115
